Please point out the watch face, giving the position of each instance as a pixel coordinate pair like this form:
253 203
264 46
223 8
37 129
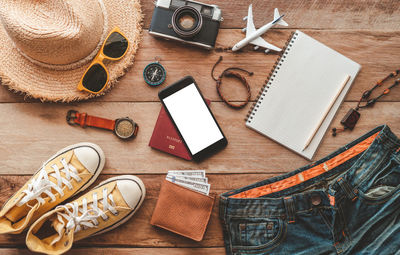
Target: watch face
154 74
125 128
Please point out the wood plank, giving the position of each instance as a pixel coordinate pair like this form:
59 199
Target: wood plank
375 51
33 132
317 14
366 32
126 251
138 231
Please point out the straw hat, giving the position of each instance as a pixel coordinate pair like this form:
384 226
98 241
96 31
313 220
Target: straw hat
46 45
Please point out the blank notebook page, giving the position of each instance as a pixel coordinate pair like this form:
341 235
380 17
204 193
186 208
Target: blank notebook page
304 82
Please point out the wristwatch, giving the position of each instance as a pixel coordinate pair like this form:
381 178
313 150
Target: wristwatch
124 128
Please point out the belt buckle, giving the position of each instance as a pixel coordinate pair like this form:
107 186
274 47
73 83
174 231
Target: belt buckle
71 116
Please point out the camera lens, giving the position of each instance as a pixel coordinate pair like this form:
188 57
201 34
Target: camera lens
186 21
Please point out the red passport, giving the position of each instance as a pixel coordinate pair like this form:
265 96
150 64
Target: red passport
165 137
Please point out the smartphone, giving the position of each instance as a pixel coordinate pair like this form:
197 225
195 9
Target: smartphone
193 119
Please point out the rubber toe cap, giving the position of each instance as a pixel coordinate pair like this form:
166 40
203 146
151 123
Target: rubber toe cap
132 191
90 157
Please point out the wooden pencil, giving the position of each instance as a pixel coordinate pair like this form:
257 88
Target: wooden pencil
328 109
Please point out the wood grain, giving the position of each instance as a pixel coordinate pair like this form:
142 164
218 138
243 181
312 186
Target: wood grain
365 31
138 231
315 14
34 132
126 251
375 51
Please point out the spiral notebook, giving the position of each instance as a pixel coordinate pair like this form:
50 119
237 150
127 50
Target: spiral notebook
299 90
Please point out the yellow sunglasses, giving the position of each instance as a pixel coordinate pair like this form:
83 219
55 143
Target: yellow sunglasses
96 77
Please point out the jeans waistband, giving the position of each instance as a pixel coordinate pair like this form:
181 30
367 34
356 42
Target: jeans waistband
344 178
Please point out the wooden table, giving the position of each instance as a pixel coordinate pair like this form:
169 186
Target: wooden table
365 31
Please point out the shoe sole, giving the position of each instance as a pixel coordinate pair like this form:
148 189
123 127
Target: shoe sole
77 145
139 182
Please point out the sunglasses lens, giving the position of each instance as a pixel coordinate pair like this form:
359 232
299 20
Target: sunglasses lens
95 78
115 46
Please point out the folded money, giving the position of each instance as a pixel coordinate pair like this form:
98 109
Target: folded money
193 173
190 179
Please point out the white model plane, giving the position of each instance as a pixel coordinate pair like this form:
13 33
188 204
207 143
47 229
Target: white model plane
253 36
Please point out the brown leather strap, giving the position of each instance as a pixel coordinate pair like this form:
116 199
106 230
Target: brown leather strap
85 120
228 73
241 78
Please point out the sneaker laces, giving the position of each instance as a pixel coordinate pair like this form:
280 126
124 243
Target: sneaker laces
42 184
88 218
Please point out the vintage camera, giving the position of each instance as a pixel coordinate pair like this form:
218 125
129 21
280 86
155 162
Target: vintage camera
186 21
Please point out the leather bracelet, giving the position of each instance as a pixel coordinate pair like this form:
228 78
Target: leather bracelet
228 73
240 77
124 128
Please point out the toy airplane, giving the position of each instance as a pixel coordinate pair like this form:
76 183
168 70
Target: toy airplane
253 35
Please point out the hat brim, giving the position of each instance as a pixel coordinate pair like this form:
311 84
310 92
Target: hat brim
23 76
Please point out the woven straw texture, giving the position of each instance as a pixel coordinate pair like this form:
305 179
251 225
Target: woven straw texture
47 45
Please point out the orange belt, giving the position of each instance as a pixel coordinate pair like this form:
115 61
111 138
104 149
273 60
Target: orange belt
308 174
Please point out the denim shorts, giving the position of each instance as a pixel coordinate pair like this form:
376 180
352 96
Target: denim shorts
346 203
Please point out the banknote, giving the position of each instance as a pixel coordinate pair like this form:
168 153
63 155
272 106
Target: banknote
194 173
196 186
189 178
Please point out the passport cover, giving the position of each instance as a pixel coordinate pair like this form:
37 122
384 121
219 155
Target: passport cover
165 137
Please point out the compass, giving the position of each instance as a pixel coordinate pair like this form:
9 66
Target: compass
154 74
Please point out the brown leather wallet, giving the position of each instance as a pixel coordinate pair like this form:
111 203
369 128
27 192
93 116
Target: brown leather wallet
182 211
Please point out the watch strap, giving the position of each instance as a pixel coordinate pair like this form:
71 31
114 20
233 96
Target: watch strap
85 120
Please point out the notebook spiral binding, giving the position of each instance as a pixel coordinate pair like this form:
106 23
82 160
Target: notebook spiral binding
270 78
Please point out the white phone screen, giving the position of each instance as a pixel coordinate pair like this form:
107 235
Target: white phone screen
193 119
